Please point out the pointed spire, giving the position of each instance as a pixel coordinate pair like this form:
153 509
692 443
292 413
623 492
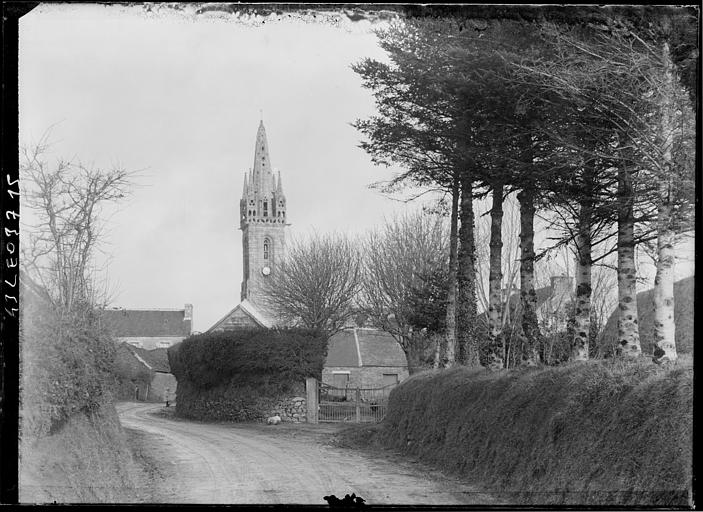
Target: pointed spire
246 185
279 185
262 164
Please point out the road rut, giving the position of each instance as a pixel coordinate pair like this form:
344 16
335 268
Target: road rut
253 463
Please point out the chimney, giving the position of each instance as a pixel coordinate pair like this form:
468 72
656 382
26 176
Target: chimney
188 317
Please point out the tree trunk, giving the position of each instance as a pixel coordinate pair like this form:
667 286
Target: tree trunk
495 279
528 296
628 328
437 352
466 278
664 328
582 314
450 351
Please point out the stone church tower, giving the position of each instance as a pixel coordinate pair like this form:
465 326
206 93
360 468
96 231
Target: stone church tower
262 221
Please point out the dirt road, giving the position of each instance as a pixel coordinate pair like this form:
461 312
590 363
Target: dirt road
251 463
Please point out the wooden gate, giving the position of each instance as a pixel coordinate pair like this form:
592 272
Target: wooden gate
357 405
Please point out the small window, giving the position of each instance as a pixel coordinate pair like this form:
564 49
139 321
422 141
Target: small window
390 379
340 380
266 209
267 244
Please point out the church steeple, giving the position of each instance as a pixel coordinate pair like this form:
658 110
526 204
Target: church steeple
262 221
262 172
262 198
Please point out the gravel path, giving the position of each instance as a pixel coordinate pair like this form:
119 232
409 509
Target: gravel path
252 463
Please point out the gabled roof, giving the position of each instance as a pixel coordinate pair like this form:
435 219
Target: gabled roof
364 347
156 359
247 308
147 322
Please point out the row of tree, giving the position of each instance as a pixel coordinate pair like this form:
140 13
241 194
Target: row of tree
583 115
393 278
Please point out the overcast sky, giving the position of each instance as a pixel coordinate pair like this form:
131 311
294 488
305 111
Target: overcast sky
179 96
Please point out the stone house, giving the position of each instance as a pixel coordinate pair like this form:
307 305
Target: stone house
146 373
552 304
150 328
364 358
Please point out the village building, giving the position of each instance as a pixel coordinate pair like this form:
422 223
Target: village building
143 337
146 373
552 303
364 358
149 328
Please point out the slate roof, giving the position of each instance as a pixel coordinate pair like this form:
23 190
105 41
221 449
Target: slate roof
364 347
341 350
147 322
157 359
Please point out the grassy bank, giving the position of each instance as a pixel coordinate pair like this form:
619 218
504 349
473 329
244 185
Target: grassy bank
72 447
594 433
87 460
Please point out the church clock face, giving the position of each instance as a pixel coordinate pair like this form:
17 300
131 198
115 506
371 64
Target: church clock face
266 271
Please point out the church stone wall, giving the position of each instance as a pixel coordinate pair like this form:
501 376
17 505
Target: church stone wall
254 234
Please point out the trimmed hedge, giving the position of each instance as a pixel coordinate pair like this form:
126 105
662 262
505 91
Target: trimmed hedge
237 375
592 433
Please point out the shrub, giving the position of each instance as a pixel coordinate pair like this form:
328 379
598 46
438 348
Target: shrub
239 375
67 367
273 361
593 433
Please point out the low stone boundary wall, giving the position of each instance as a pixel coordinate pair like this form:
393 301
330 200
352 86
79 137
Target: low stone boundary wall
291 409
233 403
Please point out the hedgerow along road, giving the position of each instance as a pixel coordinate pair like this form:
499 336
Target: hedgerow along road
290 463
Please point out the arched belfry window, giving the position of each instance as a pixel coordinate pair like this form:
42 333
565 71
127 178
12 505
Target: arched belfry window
267 248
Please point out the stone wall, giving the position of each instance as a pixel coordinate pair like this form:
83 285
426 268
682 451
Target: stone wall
233 403
364 377
255 233
290 409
